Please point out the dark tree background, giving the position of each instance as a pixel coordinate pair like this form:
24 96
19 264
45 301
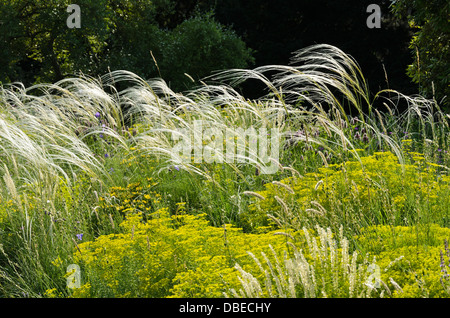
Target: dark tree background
199 37
276 28
429 46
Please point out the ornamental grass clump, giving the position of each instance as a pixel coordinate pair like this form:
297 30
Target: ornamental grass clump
323 266
36 230
44 131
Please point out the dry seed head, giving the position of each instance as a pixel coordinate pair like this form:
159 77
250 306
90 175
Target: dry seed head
10 185
294 171
283 204
314 211
319 206
324 124
285 234
273 218
111 220
254 194
396 286
277 163
318 185
325 162
284 186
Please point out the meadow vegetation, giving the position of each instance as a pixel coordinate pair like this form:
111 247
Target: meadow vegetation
359 205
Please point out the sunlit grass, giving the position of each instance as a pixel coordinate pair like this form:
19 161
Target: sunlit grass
79 155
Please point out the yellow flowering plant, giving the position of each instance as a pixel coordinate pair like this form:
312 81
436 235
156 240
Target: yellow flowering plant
184 256
164 256
409 257
377 189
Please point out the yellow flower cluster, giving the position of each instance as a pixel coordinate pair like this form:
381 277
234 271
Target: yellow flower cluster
137 159
25 201
135 196
169 256
5 206
379 182
409 256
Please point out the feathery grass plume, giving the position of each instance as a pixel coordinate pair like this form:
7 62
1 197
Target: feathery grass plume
322 210
73 102
9 182
39 126
396 286
165 113
283 204
313 270
283 185
315 211
164 121
318 184
254 194
324 160
251 286
294 171
276 220
319 76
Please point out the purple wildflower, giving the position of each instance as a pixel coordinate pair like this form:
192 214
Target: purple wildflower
79 236
97 114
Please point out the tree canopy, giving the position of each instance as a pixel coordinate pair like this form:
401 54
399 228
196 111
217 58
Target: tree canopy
37 44
430 45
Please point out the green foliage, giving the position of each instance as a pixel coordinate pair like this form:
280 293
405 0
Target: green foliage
37 46
199 46
35 232
429 46
183 256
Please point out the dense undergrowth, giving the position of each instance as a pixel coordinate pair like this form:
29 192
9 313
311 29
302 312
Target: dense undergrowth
358 205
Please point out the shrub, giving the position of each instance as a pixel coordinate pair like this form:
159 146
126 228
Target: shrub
199 46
